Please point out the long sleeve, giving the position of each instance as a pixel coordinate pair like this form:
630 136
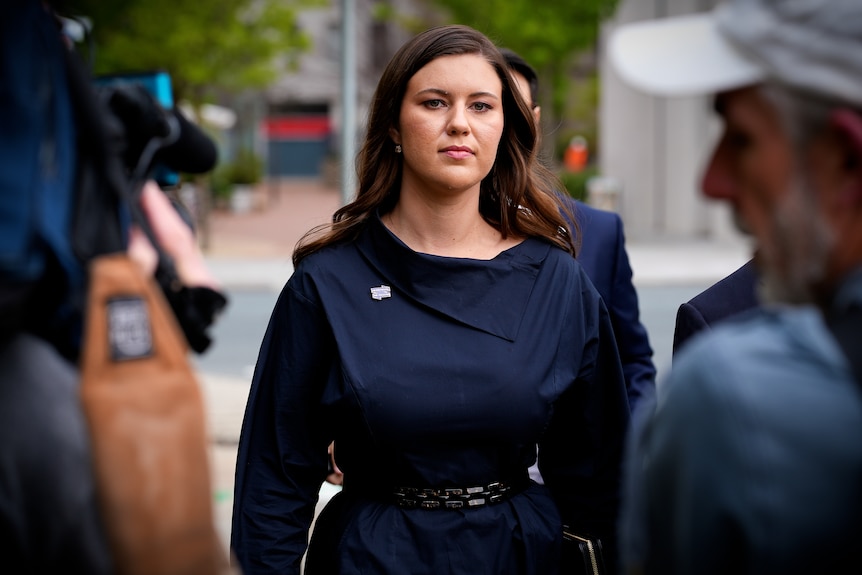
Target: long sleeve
631 335
281 461
581 455
604 258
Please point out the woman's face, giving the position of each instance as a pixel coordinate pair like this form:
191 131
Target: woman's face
450 125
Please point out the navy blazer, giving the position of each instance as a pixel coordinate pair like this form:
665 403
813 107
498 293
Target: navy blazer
733 294
603 256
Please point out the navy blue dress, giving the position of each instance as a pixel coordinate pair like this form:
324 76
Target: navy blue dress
430 371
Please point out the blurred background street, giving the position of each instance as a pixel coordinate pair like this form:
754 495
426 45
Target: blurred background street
283 88
250 253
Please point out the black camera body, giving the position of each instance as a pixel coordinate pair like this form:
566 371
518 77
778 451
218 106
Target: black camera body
142 101
157 142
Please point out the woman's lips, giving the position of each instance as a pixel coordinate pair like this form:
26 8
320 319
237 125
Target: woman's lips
458 152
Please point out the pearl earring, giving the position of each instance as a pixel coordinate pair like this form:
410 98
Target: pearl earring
397 148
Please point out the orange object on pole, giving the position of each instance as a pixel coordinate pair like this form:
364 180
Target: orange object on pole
576 154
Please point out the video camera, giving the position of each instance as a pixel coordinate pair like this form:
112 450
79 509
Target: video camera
156 138
156 141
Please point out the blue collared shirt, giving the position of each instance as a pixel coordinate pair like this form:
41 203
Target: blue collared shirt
752 460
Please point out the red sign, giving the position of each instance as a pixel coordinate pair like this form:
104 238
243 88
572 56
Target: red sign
297 128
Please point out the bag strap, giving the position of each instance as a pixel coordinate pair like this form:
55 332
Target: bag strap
846 327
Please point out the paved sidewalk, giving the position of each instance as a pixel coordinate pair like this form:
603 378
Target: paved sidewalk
658 262
284 211
252 251
654 262
225 400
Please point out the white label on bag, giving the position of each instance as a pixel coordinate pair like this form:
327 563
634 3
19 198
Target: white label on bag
129 332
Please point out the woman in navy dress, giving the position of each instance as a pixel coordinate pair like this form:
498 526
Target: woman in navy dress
437 331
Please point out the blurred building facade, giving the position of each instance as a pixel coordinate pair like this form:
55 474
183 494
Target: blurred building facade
303 110
651 150
655 148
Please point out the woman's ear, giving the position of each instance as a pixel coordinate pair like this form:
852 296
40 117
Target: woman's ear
395 135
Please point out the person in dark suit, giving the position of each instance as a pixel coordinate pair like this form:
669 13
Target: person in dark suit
729 296
603 256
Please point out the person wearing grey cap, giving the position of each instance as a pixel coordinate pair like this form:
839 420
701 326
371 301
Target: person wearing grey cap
751 460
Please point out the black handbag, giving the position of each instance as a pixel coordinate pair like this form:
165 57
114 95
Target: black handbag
581 555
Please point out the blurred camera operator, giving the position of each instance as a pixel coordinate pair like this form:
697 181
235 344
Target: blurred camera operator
58 171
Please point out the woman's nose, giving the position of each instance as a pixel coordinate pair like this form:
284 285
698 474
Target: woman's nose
718 180
458 123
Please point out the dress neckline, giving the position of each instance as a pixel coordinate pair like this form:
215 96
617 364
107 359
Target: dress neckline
491 295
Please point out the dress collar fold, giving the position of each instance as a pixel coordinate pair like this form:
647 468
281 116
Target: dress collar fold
490 295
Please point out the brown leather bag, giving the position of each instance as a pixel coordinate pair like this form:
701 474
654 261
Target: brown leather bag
148 428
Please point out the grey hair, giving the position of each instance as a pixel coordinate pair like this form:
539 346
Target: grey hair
802 114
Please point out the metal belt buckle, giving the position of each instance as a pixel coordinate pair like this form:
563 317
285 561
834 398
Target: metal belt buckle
452 497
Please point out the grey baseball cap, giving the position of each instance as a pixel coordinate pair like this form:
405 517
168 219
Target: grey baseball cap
813 45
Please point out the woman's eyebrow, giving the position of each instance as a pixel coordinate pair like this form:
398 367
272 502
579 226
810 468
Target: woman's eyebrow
441 92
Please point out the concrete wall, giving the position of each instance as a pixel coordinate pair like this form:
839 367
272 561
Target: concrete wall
658 147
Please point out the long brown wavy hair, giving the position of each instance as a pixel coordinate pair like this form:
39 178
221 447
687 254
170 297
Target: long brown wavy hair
519 196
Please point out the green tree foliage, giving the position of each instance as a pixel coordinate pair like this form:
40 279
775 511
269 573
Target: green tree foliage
549 34
206 45
548 29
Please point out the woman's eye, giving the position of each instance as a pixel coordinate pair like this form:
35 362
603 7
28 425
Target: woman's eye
434 103
482 107
738 140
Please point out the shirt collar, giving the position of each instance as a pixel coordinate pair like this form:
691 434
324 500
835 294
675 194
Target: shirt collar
490 295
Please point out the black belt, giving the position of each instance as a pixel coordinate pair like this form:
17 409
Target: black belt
456 497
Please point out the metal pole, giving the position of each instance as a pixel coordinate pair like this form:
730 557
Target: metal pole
348 98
